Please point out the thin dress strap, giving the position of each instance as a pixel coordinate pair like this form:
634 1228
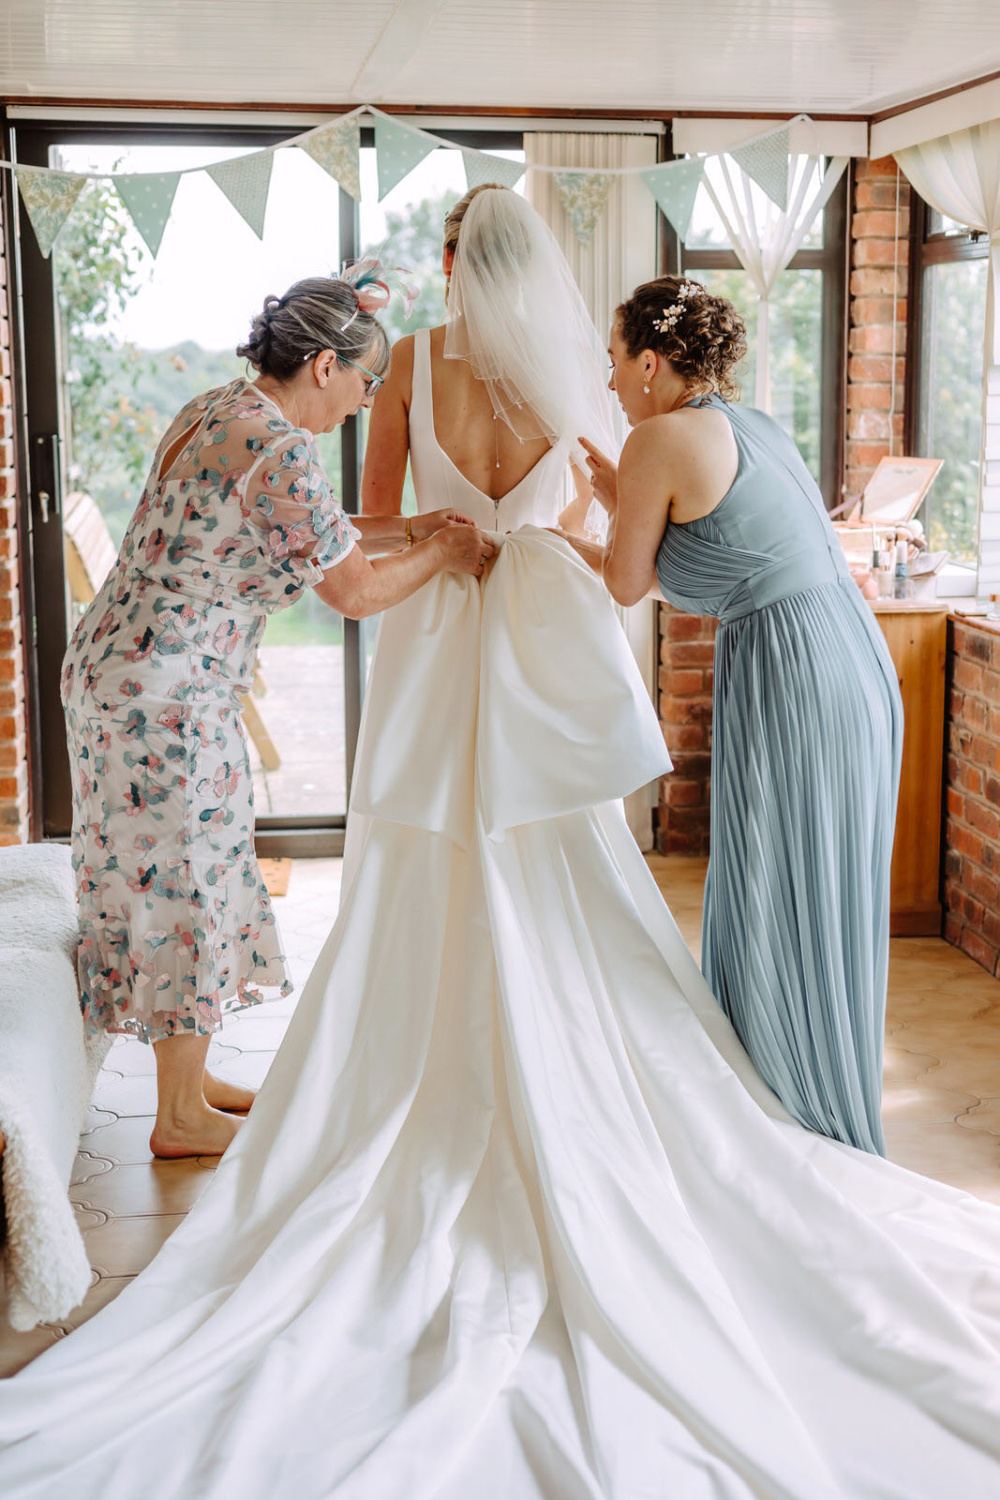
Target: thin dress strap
421 406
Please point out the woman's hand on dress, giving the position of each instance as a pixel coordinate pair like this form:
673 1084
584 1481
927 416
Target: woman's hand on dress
464 548
603 477
424 524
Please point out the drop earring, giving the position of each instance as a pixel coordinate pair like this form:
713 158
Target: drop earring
645 390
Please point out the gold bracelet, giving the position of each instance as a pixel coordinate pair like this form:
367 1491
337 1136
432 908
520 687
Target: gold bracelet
409 531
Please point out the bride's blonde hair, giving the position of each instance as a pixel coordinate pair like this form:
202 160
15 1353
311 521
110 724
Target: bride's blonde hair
454 217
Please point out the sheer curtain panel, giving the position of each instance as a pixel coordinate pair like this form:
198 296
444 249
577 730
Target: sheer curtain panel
959 175
766 237
621 255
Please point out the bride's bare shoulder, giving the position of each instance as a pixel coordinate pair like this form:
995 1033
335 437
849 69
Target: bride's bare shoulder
402 349
400 376
437 339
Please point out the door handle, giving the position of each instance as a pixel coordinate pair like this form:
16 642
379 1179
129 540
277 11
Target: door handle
46 474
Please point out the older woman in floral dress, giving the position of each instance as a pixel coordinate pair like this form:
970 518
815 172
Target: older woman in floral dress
236 521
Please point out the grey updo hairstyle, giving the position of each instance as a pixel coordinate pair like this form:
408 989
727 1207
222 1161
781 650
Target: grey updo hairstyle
310 317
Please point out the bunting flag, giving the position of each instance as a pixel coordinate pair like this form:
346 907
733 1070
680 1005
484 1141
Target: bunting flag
245 182
584 196
148 197
766 161
398 149
674 185
480 168
49 194
337 149
49 198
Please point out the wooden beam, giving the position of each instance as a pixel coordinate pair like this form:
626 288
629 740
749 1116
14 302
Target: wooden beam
518 112
957 88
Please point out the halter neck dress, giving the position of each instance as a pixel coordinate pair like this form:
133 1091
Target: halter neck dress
535 501
806 745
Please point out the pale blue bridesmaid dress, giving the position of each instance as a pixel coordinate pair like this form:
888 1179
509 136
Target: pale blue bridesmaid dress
806 743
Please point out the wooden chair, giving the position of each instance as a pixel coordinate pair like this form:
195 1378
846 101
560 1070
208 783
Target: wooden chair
90 556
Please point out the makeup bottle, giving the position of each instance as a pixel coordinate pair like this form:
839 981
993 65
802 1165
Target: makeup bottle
902 548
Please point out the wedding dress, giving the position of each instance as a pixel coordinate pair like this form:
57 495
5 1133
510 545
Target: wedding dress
513 1216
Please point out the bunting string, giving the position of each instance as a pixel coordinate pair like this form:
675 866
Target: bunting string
50 193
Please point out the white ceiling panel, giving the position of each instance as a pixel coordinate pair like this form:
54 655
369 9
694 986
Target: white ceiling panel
836 56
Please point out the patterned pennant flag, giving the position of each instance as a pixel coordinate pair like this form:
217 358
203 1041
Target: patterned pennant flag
337 149
481 167
674 185
49 197
584 196
149 197
766 161
398 149
245 181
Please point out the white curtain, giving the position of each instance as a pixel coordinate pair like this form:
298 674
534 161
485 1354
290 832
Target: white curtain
766 237
623 251
959 175
621 255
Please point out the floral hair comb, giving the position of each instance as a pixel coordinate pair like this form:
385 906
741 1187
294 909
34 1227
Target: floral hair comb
371 283
685 292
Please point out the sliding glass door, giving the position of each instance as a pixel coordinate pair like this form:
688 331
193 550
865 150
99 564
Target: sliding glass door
115 344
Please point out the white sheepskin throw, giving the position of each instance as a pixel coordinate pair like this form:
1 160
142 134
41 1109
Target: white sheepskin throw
47 1073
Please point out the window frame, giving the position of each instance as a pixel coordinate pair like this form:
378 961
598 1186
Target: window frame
832 261
38 420
928 249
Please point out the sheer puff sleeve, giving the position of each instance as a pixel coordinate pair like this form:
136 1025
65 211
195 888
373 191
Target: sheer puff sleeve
298 525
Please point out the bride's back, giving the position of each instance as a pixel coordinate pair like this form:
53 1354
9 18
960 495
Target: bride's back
483 449
489 407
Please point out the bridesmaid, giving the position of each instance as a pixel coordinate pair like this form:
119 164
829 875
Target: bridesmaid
713 504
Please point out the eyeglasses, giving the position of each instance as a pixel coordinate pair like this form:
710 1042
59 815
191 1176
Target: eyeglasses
372 384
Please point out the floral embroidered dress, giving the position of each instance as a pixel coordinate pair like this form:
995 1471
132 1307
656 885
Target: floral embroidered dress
175 920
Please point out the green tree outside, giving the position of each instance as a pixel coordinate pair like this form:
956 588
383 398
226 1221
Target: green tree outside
796 345
951 388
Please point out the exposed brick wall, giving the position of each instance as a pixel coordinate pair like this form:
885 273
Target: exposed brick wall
687 644
13 736
972 816
880 249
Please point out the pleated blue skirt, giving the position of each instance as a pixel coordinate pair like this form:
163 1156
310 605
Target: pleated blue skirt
807 738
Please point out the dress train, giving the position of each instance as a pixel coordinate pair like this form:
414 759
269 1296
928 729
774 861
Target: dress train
513 1216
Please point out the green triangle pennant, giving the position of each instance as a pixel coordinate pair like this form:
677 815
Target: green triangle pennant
149 197
398 149
766 161
480 167
49 198
245 181
674 185
584 196
337 149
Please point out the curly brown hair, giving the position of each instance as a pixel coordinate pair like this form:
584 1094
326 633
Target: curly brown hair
705 343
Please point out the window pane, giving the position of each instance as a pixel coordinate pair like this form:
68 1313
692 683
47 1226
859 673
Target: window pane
951 394
796 349
166 332
941 224
707 231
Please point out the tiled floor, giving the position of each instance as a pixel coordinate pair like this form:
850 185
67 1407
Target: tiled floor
942 1095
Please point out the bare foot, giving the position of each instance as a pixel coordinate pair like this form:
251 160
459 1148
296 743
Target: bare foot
208 1132
228 1096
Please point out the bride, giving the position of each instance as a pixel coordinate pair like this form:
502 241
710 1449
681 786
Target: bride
513 1216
